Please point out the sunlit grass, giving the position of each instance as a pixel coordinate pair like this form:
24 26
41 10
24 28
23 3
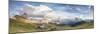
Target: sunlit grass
19 26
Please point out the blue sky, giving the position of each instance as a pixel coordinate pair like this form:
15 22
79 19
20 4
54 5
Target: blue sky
76 10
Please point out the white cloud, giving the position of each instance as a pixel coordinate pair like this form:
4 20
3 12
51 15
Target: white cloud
28 5
48 12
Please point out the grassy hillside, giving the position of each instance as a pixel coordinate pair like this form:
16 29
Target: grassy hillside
19 26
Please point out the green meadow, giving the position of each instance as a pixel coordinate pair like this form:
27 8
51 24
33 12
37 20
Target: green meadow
17 26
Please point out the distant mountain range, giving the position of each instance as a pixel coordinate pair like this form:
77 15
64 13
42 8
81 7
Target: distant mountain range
74 21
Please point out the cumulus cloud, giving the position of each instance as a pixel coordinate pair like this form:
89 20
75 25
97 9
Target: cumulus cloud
50 13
